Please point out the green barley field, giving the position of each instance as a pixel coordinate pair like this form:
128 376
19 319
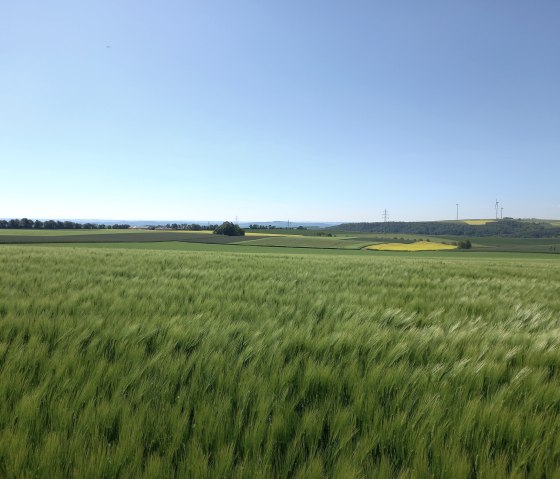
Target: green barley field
214 363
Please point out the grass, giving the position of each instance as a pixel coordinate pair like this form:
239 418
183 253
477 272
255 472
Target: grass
208 247
180 246
535 245
309 242
144 363
417 246
120 237
264 233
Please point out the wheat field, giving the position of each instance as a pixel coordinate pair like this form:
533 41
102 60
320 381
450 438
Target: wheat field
145 364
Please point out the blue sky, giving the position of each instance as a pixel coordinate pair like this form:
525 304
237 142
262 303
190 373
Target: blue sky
301 110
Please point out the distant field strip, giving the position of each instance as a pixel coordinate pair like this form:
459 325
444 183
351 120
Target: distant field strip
309 242
418 246
525 245
179 246
251 233
207 247
149 236
165 364
553 248
478 222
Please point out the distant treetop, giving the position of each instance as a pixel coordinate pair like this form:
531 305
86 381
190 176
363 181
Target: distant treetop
229 229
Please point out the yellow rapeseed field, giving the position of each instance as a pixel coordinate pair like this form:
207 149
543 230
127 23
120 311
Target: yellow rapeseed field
478 222
418 246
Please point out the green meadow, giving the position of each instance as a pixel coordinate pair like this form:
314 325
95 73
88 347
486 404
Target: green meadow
310 242
210 361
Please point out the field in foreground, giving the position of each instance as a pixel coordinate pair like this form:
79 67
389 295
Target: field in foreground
131 363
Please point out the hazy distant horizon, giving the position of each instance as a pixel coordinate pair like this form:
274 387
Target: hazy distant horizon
137 222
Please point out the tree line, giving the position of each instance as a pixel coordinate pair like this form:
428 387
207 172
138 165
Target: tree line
256 226
505 228
25 223
184 227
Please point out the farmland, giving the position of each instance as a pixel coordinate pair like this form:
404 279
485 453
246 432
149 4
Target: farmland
208 362
311 242
416 246
478 222
120 237
282 240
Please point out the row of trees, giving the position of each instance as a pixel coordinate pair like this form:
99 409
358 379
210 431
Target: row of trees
505 228
261 227
184 227
25 223
255 226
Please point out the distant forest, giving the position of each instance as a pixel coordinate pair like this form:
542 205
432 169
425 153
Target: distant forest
505 228
28 224
25 223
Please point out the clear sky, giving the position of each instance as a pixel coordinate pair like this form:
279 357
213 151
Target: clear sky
274 110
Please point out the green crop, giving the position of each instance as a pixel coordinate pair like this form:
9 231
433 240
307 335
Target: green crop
146 363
